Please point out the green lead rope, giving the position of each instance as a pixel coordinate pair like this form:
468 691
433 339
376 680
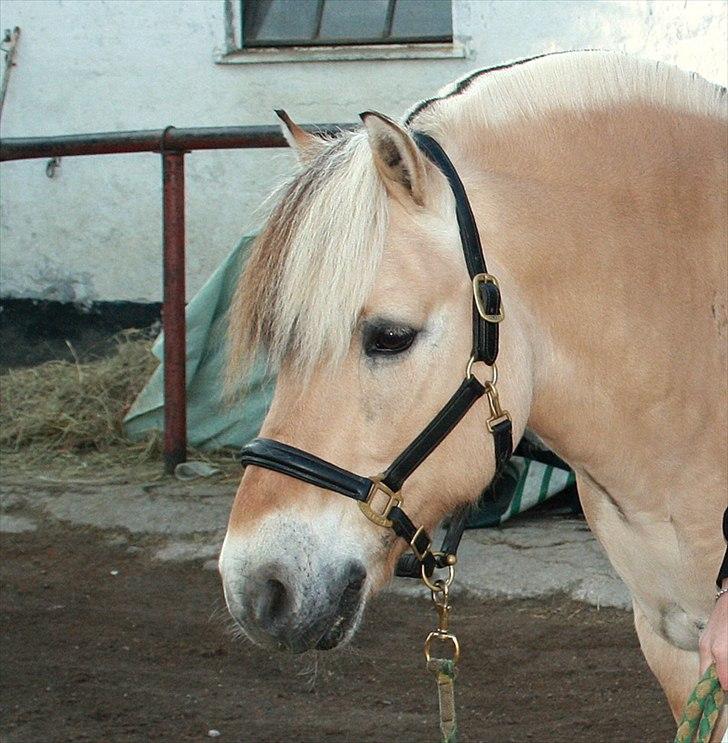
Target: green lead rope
701 710
444 671
696 724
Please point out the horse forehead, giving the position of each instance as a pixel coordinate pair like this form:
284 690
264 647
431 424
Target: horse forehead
423 239
416 269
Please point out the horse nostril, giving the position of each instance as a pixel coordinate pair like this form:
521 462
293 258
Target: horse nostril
272 604
356 576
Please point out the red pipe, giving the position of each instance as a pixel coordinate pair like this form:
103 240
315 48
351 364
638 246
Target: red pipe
152 140
173 310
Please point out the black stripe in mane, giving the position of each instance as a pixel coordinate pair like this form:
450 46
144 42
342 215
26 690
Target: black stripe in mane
466 82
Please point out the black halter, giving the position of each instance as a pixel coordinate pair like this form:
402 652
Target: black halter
384 488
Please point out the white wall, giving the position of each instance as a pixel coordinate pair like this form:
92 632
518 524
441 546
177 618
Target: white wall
94 231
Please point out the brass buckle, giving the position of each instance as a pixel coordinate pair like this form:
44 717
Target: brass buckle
497 414
379 517
486 278
418 555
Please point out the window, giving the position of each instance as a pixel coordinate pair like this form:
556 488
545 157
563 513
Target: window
264 31
287 23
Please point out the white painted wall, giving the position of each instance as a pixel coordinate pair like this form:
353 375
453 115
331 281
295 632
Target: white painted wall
94 231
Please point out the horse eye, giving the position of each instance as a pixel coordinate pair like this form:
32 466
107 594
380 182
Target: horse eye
388 339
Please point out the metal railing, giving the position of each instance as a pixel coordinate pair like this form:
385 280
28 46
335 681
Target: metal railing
172 145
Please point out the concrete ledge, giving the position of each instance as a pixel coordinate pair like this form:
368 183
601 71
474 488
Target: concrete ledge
530 557
534 558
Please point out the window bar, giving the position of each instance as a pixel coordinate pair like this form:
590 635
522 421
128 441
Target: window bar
390 18
319 18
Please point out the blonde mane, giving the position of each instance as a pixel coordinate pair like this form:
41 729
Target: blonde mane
313 265
577 81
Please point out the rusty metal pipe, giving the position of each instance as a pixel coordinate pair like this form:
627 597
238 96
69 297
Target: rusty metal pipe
173 311
153 140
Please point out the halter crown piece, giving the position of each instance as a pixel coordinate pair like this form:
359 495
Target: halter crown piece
379 496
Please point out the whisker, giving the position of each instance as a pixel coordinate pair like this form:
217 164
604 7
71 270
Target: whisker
310 672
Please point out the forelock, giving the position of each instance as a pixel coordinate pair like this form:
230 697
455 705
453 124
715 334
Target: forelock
314 263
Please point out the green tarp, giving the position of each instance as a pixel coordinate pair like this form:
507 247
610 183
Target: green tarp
523 484
212 422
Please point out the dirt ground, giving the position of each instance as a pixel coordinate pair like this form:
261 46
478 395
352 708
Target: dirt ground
99 643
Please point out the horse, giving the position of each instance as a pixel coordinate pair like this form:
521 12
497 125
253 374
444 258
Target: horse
598 183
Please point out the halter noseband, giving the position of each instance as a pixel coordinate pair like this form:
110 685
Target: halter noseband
378 496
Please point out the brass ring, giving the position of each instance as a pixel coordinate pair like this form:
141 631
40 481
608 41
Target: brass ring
469 371
442 637
433 585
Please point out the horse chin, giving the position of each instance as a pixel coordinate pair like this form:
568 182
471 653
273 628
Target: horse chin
344 626
341 631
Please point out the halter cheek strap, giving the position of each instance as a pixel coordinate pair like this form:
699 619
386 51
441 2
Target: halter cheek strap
487 307
378 496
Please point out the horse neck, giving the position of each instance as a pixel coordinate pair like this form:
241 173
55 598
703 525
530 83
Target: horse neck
606 231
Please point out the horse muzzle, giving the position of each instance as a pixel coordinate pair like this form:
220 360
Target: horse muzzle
288 607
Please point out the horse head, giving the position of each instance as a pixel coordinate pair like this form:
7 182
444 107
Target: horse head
357 292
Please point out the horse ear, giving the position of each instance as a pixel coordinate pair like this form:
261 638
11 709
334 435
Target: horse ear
306 146
396 157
